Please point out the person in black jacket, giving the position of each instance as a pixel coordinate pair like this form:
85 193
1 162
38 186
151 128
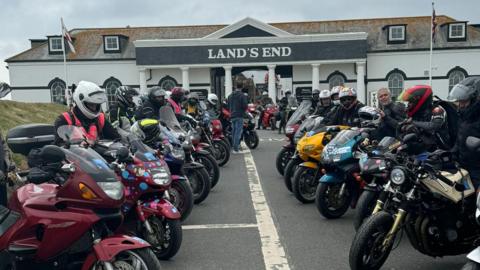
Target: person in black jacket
237 104
122 113
325 103
347 112
466 94
392 113
87 115
150 109
425 119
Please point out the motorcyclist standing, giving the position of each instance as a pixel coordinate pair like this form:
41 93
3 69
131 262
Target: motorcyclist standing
122 113
425 119
150 109
392 113
324 104
87 114
466 94
347 112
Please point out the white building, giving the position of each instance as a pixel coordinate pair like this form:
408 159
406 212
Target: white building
366 54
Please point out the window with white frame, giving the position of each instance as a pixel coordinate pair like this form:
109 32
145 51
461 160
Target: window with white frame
55 44
57 91
456 30
395 84
455 77
336 80
110 87
396 33
111 43
168 84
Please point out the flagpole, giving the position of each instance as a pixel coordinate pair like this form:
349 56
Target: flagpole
67 91
431 45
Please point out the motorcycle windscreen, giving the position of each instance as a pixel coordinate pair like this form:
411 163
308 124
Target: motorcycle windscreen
385 145
302 110
91 163
167 116
344 136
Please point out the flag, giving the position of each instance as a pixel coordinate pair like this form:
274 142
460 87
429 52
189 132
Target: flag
67 37
434 24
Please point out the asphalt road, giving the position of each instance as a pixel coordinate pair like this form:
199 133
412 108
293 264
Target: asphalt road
251 222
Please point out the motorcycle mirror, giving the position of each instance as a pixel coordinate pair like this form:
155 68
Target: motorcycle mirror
123 153
473 143
409 138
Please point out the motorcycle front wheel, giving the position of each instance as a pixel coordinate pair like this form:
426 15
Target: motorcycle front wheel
304 184
166 238
211 166
365 206
367 251
181 196
251 140
142 259
200 182
330 203
282 158
289 172
222 152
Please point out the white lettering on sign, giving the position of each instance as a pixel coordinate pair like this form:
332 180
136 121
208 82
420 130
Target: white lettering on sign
236 53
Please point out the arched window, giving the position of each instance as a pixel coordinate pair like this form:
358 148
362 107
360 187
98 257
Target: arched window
455 76
395 84
57 91
167 83
111 85
336 79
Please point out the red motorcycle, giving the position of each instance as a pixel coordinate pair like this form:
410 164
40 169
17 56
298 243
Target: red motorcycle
71 221
268 118
148 211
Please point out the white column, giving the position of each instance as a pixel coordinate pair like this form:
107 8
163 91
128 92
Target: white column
272 89
361 93
185 78
143 81
315 76
228 80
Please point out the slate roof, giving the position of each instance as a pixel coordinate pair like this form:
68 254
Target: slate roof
89 42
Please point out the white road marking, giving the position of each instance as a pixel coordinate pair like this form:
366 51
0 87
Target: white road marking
218 226
274 254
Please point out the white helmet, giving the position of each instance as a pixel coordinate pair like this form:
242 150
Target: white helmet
89 97
212 99
265 93
370 116
325 93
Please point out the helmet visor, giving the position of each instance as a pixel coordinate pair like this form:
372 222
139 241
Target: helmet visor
461 92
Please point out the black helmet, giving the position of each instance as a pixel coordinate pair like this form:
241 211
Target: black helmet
125 94
157 95
150 129
316 94
467 89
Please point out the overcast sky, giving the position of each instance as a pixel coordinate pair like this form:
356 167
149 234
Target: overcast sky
21 20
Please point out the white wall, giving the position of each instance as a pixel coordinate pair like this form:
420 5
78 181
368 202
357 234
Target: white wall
414 64
304 72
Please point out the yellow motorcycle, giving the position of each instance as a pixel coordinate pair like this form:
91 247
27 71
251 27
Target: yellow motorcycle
308 173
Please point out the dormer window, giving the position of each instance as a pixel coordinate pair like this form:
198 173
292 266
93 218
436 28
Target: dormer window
55 45
111 44
457 31
396 34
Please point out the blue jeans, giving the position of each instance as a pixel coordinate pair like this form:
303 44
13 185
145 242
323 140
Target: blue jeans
237 130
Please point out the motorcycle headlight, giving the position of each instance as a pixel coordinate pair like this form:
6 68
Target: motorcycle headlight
397 176
114 190
160 176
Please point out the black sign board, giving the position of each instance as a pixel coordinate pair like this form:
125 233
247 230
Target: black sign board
251 53
303 93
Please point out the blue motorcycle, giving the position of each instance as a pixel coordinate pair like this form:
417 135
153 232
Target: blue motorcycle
341 184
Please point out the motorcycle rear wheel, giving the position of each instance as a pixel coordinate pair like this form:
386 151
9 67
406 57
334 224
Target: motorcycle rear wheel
282 159
252 139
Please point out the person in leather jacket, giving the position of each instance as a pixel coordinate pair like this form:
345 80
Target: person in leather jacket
315 99
392 113
124 109
425 119
324 104
466 95
150 109
347 112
